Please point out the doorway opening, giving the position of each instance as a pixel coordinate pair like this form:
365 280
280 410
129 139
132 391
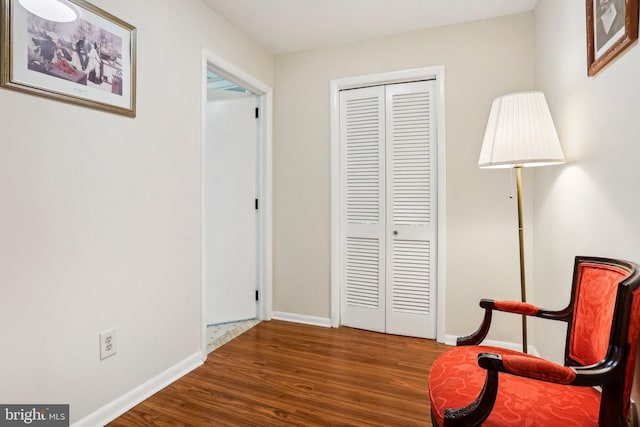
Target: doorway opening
235 202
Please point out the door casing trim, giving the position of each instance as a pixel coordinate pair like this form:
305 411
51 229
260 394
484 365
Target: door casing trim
216 63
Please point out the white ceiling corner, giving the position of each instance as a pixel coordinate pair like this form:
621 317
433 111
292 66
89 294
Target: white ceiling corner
285 26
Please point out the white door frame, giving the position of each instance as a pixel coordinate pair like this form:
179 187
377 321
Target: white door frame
336 86
211 61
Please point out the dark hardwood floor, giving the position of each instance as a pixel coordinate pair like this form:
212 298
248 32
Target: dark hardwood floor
288 374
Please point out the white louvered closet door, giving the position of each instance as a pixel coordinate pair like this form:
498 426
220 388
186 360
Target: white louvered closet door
362 137
388 177
410 201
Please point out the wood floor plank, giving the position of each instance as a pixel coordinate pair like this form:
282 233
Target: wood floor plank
287 374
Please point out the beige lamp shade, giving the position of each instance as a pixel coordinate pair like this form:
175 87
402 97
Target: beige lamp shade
520 132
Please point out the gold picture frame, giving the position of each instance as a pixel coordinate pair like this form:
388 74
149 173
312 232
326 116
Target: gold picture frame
612 26
90 61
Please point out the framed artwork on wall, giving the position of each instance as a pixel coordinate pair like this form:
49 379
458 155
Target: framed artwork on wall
612 25
84 56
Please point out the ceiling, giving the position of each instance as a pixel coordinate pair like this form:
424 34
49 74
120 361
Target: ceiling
285 26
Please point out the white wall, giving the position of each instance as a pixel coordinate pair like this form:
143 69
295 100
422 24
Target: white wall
588 206
100 218
482 60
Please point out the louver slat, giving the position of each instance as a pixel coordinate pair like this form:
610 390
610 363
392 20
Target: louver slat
362 160
411 277
362 278
411 159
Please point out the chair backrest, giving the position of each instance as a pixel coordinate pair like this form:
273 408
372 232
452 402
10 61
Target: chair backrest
605 306
632 342
595 287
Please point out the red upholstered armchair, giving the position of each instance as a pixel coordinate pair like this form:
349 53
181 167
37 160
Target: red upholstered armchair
473 385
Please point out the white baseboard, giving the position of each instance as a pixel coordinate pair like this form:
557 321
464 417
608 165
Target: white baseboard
113 410
301 318
451 340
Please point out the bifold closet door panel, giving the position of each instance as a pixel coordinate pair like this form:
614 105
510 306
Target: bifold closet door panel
362 136
411 165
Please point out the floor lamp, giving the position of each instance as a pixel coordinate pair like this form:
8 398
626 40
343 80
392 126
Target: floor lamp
520 133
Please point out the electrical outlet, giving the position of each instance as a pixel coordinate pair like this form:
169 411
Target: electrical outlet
107 343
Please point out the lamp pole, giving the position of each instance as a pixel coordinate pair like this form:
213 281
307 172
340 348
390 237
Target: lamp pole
523 291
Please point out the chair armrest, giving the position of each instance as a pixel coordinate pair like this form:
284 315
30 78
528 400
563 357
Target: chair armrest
478 336
515 307
525 365
477 411
527 309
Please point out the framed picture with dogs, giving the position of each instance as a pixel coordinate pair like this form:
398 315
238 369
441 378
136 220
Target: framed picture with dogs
69 50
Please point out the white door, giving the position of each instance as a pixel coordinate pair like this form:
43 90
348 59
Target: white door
411 166
388 173
362 154
230 214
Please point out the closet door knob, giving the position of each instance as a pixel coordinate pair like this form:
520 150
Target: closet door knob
395 232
